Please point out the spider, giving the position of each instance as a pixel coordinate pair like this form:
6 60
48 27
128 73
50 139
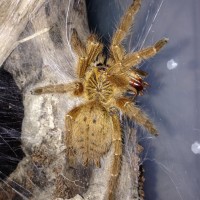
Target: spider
103 82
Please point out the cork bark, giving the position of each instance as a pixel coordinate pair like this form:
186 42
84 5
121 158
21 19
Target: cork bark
45 57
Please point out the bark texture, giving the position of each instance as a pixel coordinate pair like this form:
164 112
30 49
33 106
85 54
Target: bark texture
48 59
14 16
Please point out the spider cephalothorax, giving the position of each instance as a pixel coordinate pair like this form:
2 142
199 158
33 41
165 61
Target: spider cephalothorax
97 86
94 126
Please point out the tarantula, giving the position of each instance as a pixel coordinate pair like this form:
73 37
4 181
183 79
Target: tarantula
94 126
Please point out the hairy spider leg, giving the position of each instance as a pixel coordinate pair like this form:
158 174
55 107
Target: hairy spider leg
136 114
76 88
69 118
116 163
127 20
133 59
80 50
136 58
87 54
93 48
77 45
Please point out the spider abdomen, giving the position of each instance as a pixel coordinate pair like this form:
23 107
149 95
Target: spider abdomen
89 136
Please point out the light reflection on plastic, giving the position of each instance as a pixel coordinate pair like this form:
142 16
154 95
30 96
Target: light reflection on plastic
195 147
171 64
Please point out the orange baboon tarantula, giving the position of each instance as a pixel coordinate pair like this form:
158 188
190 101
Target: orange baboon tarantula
103 82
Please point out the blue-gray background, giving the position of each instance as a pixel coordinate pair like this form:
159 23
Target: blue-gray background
173 100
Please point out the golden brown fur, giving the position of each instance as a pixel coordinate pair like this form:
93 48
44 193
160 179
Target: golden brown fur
94 126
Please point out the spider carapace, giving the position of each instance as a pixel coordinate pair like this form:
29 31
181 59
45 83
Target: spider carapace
93 127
